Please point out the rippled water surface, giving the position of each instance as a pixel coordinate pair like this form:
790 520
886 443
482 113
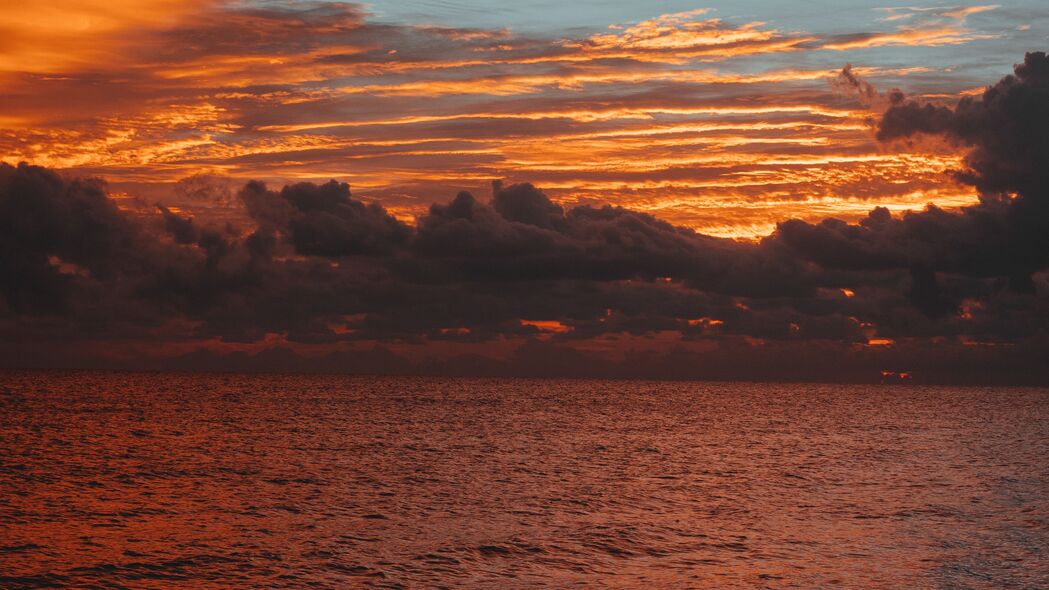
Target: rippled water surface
156 481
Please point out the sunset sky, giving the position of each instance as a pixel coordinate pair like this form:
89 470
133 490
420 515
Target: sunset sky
709 124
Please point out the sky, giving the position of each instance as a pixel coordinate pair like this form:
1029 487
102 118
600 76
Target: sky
814 184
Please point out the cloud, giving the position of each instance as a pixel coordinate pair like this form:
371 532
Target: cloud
1006 235
56 36
323 220
315 270
1005 127
849 83
52 231
924 26
290 91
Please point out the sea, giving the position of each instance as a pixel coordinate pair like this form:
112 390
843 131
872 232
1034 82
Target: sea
151 480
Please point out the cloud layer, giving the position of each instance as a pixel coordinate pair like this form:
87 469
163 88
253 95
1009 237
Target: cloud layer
219 238
721 124
519 278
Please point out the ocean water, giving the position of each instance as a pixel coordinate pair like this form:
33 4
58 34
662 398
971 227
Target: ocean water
112 480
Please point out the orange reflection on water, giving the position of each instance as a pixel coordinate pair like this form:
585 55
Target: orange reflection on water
214 481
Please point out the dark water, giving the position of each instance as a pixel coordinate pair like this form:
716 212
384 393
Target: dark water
163 481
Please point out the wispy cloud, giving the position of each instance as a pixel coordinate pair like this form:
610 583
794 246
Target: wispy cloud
667 114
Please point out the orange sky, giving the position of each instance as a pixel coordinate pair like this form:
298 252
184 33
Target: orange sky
723 124
803 147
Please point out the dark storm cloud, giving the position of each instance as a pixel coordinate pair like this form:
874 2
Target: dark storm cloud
1007 127
182 230
524 204
522 235
1005 236
51 230
323 220
472 271
469 270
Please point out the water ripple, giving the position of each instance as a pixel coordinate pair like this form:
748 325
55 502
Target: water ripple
170 481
